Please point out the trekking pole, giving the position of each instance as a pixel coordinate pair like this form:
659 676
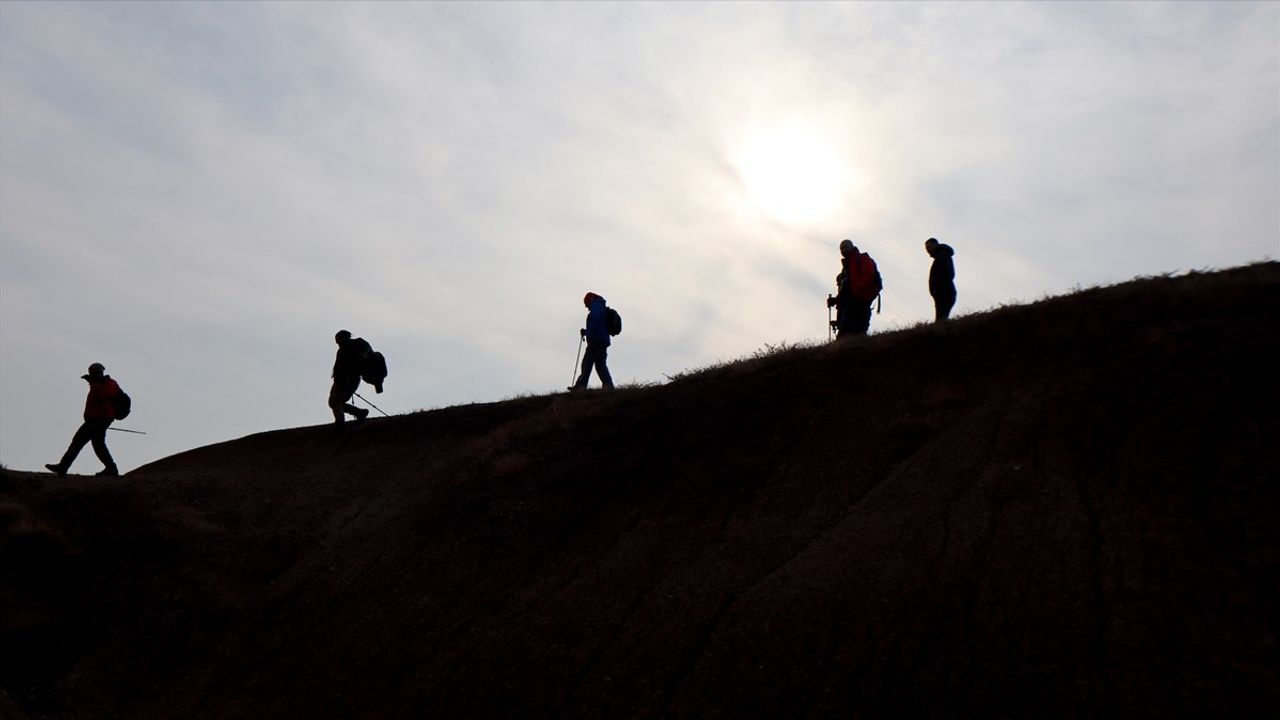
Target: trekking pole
135 432
573 379
830 322
877 303
375 407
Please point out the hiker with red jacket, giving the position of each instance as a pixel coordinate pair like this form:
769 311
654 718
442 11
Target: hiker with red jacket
596 334
347 366
859 284
99 412
942 278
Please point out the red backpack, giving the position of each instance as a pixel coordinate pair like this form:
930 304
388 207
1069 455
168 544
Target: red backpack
863 277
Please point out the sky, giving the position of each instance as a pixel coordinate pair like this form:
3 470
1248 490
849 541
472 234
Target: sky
199 195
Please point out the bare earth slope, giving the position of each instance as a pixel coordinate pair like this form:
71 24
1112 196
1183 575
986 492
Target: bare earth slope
1057 510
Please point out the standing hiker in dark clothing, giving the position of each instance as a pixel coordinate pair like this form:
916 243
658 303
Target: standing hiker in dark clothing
596 334
858 284
346 376
942 276
99 412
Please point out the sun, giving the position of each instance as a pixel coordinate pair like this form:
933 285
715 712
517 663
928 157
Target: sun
792 173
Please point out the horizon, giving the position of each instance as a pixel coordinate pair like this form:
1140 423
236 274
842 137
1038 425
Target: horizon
199 195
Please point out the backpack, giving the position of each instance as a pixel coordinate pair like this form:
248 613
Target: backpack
374 369
612 321
864 279
121 404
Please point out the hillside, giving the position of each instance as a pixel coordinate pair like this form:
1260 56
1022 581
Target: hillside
1062 509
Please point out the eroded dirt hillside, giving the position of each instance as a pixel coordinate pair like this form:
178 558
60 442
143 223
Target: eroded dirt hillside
1057 510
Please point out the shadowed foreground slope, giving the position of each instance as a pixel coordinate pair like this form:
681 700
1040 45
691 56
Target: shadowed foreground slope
1061 509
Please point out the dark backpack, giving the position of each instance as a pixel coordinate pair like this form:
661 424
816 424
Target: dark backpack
612 321
121 404
374 370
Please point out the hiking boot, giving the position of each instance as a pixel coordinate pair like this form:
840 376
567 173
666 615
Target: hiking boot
108 472
362 413
56 470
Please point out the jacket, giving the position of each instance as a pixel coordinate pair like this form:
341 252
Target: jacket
98 405
943 271
597 328
349 362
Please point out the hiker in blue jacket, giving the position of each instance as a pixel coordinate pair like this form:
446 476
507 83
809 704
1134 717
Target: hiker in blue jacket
596 334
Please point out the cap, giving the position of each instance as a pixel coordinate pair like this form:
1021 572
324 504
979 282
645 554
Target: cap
342 335
586 299
97 370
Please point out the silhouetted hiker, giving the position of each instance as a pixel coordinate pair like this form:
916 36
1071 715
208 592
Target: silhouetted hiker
99 412
596 334
942 276
346 376
858 285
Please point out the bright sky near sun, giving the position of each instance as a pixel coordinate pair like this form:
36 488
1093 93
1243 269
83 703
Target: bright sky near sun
792 173
198 195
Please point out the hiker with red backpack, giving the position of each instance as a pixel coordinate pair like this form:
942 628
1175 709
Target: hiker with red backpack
106 403
602 323
858 285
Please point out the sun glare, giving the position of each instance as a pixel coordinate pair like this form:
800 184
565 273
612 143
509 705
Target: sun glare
792 174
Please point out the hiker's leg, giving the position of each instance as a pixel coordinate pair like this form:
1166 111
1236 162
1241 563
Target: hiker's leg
82 437
98 436
602 368
856 320
943 304
863 320
588 362
335 404
348 391
338 397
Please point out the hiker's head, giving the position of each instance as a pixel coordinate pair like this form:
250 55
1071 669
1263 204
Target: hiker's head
342 336
589 298
930 244
96 370
847 247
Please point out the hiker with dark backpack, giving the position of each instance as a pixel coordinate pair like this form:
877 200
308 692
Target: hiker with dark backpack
347 368
106 403
942 278
603 322
858 285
